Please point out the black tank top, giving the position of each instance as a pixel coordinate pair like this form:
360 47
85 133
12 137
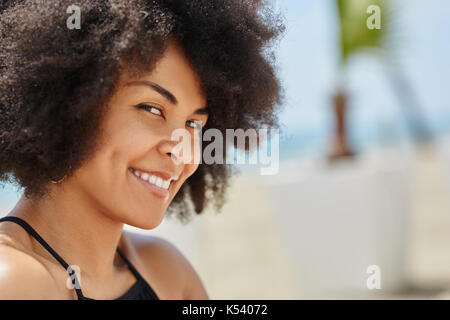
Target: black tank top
141 290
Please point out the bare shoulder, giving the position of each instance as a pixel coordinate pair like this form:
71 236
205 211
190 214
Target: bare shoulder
165 260
23 277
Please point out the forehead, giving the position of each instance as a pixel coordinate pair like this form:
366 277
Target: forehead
175 73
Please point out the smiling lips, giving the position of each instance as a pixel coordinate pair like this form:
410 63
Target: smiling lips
153 182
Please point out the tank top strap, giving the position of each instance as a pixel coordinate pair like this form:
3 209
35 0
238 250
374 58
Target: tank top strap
36 236
130 265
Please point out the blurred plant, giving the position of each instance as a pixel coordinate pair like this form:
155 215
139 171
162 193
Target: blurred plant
355 37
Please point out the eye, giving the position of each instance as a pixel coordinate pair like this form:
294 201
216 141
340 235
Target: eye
152 109
195 124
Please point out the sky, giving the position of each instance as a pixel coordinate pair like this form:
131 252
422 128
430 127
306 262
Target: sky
308 57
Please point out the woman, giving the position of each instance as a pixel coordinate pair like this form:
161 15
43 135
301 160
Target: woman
86 117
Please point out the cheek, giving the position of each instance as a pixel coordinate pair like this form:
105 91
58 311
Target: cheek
108 168
132 143
189 169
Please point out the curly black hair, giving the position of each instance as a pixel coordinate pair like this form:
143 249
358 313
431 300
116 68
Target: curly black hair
55 82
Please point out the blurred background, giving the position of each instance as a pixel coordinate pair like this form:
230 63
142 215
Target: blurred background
364 176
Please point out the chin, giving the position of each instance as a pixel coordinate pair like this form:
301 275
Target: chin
147 221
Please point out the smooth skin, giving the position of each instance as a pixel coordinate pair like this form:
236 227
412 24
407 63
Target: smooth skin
83 217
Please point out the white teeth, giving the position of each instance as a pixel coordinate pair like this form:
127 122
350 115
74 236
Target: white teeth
164 184
159 182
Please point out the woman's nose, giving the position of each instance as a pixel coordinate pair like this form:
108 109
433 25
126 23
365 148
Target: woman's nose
180 144
170 149
182 147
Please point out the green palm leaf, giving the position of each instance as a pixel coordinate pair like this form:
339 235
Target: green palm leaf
354 33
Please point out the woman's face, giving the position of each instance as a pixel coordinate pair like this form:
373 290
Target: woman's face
142 115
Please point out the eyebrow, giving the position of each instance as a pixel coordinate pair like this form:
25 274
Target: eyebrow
165 93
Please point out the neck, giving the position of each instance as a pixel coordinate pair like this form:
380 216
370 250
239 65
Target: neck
81 233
